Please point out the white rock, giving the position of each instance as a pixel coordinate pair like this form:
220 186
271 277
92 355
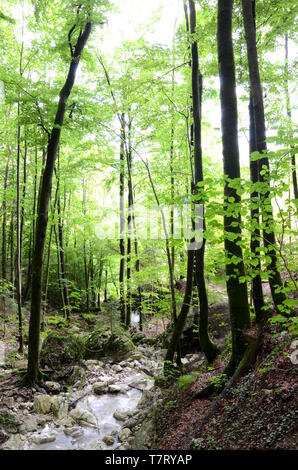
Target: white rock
44 438
42 404
59 407
83 415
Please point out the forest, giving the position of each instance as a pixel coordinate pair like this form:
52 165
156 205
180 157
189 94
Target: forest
148 211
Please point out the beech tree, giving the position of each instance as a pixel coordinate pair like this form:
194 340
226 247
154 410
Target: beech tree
236 289
44 196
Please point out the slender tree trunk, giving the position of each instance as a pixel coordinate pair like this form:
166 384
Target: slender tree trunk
62 260
209 349
32 231
23 197
289 114
122 225
237 291
19 268
86 273
129 224
179 325
47 271
257 289
260 133
42 217
12 249
4 220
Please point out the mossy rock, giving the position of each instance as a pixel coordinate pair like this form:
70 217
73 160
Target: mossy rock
138 337
104 343
61 348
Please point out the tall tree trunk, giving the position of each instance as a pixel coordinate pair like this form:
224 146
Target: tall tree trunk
61 245
32 231
129 224
47 270
23 196
122 225
12 249
237 291
289 114
4 219
275 281
257 289
19 267
42 217
86 273
209 349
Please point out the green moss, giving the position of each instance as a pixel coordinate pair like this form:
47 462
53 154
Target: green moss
60 348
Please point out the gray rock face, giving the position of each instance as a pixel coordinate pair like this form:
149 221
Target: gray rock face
145 436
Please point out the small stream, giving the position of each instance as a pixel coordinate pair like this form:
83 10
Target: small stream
103 407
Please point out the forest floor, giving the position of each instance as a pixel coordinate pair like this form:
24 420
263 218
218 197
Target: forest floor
259 412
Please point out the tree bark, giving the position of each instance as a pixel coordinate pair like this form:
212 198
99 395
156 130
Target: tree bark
237 291
275 281
42 216
4 219
289 114
209 349
257 289
122 225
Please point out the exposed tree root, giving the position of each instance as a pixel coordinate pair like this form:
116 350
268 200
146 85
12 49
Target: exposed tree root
254 338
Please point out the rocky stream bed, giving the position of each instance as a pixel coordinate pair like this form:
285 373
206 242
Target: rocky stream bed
109 406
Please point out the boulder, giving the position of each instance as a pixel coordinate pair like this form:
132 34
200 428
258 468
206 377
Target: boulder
52 387
15 442
104 343
74 432
44 437
10 421
61 348
124 434
42 403
83 415
99 388
121 415
59 407
109 440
